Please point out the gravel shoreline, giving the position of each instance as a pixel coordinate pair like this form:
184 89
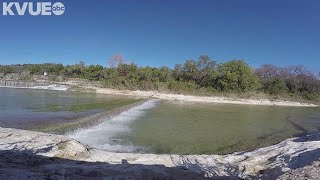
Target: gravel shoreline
207 99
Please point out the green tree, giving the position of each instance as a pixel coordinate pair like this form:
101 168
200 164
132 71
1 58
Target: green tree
276 86
236 76
207 71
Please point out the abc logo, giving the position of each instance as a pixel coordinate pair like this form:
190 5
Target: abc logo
58 8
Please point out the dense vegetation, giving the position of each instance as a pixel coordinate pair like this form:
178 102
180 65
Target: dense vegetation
194 76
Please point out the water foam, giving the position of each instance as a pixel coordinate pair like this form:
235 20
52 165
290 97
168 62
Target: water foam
103 136
52 87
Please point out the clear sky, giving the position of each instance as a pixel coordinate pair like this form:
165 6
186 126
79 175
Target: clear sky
167 32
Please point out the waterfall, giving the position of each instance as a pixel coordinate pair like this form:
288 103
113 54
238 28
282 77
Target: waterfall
33 85
20 84
103 135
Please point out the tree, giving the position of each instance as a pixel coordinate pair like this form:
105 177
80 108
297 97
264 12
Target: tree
82 64
207 71
115 61
276 86
236 76
268 72
202 75
124 69
177 72
94 72
190 70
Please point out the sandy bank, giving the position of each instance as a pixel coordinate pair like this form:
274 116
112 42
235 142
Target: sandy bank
208 99
269 162
63 86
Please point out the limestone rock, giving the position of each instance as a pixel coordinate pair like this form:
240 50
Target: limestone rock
40 155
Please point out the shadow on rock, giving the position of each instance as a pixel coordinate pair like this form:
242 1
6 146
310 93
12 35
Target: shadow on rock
209 171
302 160
26 165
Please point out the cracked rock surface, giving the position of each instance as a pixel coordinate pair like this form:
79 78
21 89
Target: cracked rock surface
35 155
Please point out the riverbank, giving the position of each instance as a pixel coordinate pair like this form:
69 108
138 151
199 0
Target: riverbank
73 86
206 99
38 155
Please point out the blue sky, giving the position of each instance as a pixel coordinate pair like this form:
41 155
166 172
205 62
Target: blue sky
167 32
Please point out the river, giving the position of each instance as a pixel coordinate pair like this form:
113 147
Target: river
156 126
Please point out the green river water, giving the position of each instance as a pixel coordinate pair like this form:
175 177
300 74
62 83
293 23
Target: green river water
198 128
158 126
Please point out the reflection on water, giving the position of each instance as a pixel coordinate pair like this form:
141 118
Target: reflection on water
37 109
218 128
158 126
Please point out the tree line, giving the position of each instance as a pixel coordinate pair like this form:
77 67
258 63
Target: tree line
203 75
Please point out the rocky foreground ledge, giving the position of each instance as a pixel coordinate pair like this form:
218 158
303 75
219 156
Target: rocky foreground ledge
35 155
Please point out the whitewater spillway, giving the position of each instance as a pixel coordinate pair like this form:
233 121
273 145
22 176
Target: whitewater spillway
102 135
32 85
